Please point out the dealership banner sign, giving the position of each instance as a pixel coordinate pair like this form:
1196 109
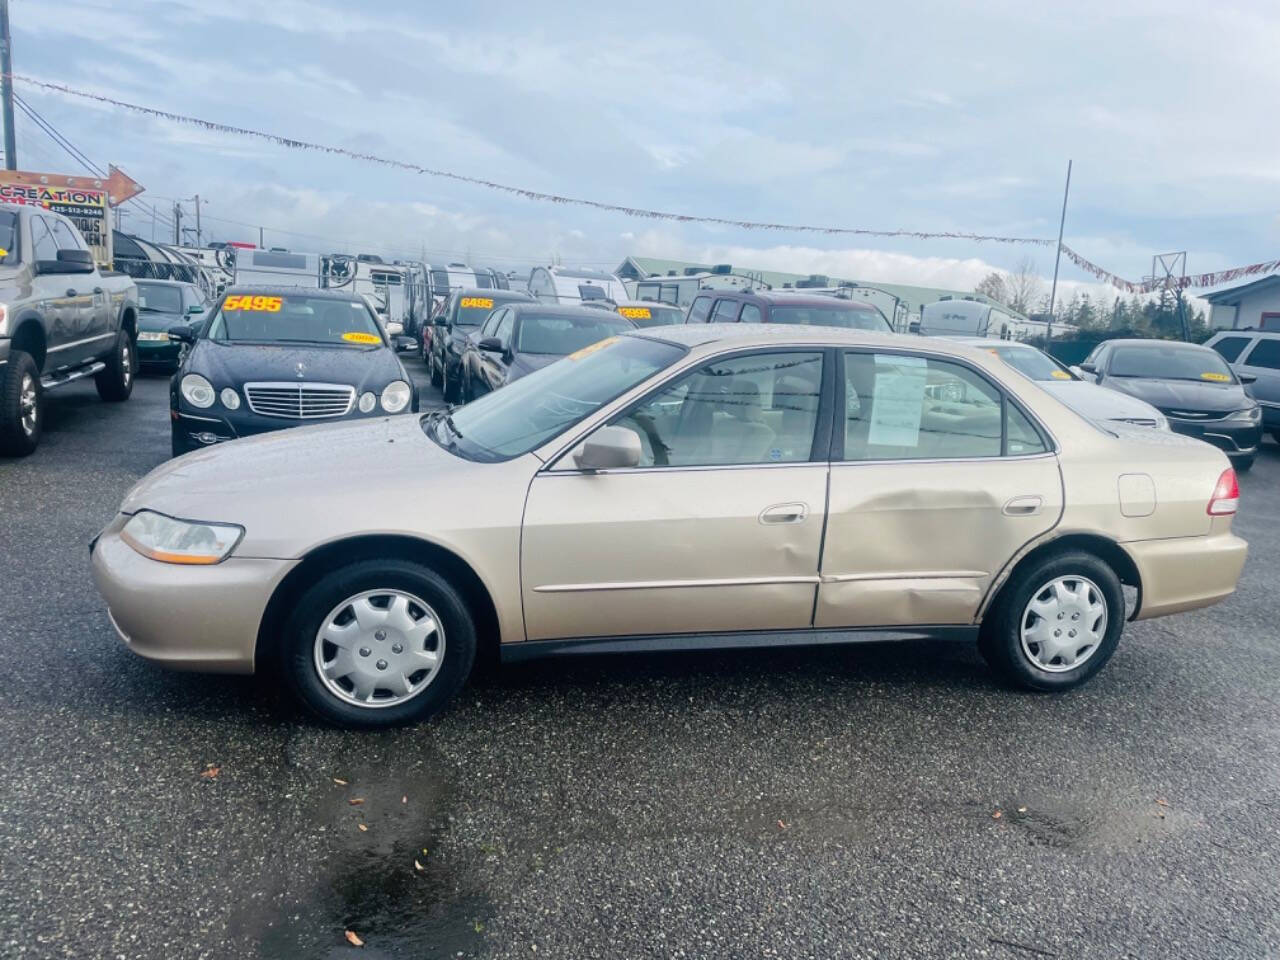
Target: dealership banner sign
84 200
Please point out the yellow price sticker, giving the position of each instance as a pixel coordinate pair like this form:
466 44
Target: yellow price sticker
635 313
3 253
1059 374
587 351
247 302
482 303
356 336
1216 377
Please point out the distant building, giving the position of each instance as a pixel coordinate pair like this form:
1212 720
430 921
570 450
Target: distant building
1255 304
900 302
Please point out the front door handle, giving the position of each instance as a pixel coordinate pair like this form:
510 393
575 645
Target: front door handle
97 289
785 513
1027 506
72 292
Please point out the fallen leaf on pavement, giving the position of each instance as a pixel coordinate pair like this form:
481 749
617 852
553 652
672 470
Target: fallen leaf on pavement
210 772
354 939
781 825
356 801
340 782
1163 803
419 867
363 828
997 815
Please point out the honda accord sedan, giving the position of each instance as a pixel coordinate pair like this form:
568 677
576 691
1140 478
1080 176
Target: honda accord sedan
673 488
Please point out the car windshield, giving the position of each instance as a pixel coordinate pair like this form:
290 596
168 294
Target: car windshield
8 238
1032 363
652 315
294 318
1170 362
561 335
836 315
159 298
532 410
471 311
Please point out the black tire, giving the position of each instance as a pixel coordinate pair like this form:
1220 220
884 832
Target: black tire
298 643
448 387
1000 640
21 405
115 383
1275 435
1242 464
436 379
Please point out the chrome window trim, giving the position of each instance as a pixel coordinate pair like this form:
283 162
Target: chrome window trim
632 471
1048 455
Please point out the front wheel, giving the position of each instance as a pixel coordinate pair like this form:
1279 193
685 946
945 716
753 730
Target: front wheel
448 388
115 383
436 378
379 643
1056 623
21 405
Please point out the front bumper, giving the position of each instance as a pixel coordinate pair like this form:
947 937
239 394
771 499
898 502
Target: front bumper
217 424
159 351
185 617
1235 438
1186 573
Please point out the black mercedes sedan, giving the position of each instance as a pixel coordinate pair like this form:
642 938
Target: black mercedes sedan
270 358
523 337
1191 385
454 326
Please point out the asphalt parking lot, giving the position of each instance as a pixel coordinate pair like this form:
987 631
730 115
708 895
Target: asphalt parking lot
862 801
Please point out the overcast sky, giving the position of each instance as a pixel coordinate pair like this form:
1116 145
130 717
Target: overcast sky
923 116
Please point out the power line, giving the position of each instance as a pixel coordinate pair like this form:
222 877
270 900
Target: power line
57 137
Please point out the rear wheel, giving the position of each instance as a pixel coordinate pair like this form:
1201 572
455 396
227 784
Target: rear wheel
1242 464
448 388
1056 623
115 383
379 643
436 379
21 405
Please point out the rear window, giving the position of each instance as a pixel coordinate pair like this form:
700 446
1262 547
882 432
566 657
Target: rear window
562 335
836 315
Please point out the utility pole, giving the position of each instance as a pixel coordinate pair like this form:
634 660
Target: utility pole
153 223
1053 290
177 224
6 88
261 242
199 242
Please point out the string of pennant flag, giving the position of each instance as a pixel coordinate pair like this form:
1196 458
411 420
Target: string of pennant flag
1197 280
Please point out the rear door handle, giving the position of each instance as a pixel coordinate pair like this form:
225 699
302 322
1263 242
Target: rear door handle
72 292
785 513
1027 506
97 289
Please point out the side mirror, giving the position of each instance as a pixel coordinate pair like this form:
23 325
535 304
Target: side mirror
69 261
1086 368
609 448
491 345
394 328
1247 377
195 308
404 344
183 333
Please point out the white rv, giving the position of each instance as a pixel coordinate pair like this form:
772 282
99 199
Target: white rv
275 267
976 316
569 285
680 289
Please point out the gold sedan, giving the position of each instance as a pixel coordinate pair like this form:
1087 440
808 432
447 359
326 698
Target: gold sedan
673 488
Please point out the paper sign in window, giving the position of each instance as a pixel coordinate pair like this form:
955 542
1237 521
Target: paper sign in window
897 401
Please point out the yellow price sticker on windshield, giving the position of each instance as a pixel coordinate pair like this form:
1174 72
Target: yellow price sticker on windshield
635 313
355 336
1059 374
482 303
246 302
587 351
3 253
1216 377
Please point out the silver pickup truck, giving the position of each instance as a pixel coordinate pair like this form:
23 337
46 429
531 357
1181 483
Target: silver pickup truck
61 319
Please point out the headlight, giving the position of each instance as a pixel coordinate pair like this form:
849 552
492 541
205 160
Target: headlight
230 399
395 397
1248 415
152 335
178 541
197 390
1162 423
367 401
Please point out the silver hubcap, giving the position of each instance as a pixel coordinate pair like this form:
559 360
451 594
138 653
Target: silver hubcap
126 362
29 407
379 648
1064 624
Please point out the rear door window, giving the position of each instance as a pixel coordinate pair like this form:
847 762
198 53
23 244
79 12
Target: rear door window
1265 354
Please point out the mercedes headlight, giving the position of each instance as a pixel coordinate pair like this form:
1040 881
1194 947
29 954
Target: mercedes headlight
395 396
1248 414
197 390
179 541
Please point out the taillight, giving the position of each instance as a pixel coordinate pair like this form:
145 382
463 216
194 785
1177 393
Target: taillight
1226 495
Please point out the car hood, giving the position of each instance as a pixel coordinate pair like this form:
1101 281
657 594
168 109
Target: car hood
229 365
1099 403
1189 395
161 319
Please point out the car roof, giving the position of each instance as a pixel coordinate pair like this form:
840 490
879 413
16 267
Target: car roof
776 334
1244 332
991 343
1140 342
551 309
490 292
649 303
283 289
791 298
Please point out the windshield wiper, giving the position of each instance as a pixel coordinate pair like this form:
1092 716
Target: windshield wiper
448 419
